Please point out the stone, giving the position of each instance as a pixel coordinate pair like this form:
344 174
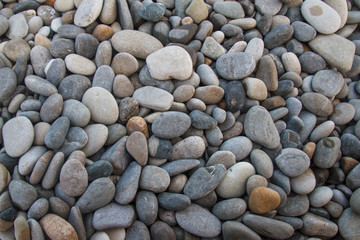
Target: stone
18 27
271 8
327 82
137 43
318 13
137 147
303 32
99 193
128 108
36 231
15 48
343 113
78 64
103 54
154 98
352 179
109 12
55 71
229 9
349 224
292 162
327 152
201 120
171 124
262 163
102 105
318 226
179 166
320 196
263 199
173 201
296 205
69 31
234 183
212 49
229 209
317 104
154 179
197 10
73 178
304 183
267 72
124 63
327 46
152 12
4 25
127 186
57 228
76 112
102 32
137 123
38 209
22 194
268 227
40 85
99 169
122 86
235 229
209 94
113 216
64 5
8 82
207 225
204 180
57 132
255 88
259 127
311 62
235 66
194 145
18 136
74 86
138 230
240 146
87 12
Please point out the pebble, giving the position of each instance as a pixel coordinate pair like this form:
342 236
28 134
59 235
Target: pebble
38 209
125 64
321 16
296 205
235 229
194 145
154 179
323 106
173 201
137 147
56 227
327 152
259 127
113 215
229 9
304 183
154 98
8 82
76 112
73 183
78 64
87 12
18 136
268 227
349 224
102 105
126 40
18 27
99 193
234 182
171 124
343 113
318 226
15 48
179 166
327 46
263 199
255 88
22 194
207 225
278 36
262 163
227 65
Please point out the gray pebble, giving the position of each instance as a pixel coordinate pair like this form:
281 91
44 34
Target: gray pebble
56 135
173 201
38 209
229 209
180 166
296 205
127 186
113 216
22 194
74 86
147 207
61 47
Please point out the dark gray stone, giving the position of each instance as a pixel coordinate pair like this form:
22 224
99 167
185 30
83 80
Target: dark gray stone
56 135
235 96
127 186
104 77
74 86
229 209
201 120
147 207
152 11
311 62
296 205
161 230
278 36
350 145
137 231
61 47
146 79
234 66
180 166
171 124
113 216
86 45
69 31
159 148
22 194
8 82
99 169
173 201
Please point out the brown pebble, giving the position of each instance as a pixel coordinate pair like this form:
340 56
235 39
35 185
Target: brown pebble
50 2
347 164
273 102
102 32
78 155
21 228
41 40
56 228
137 124
68 17
187 20
5 225
263 199
208 61
309 149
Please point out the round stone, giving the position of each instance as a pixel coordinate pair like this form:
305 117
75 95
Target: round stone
22 194
234 66
327 152
73 178
86 45
304 183
240 146
102 105
191 147
320 196
255 88
125 64
317 104
56 227
327 82
171 124
87 12
80 65
137 147
343 113
113 216
153 98
262 163
76 112
263 199
154 179
18 135
292 162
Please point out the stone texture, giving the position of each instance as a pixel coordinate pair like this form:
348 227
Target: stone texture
235 66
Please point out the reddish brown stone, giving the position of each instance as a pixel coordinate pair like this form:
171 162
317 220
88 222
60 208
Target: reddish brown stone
102 32
263 199
137 124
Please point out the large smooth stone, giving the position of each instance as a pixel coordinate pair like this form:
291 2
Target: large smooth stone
88 12
171 124
153 98
235 66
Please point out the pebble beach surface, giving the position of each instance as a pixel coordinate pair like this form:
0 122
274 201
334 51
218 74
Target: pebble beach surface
179 119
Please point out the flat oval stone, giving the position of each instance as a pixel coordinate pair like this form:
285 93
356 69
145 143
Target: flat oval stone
15 48
343 113
18 27
198 221
240 146
317 104
76 112
137 147
170 62
234 183
327 152
38 209
278 35
57 132
318 226
22 194
18 135
128 184
61 47
102 105
321 16
99 193
259 127
262 163
28 160
80 65
320 196
173 201
235 66
124 63
73 178
74 86
56 227
147 207
327 82
292 162
349 224
296 205
97 136
235 229
159 148
8 82
171 124
268 7
209 94
87 12
303 32
204 180
194 145
201 120
263 199
138 44
40 85
154 179
153 98
229 209
179 166
304 183
113 216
